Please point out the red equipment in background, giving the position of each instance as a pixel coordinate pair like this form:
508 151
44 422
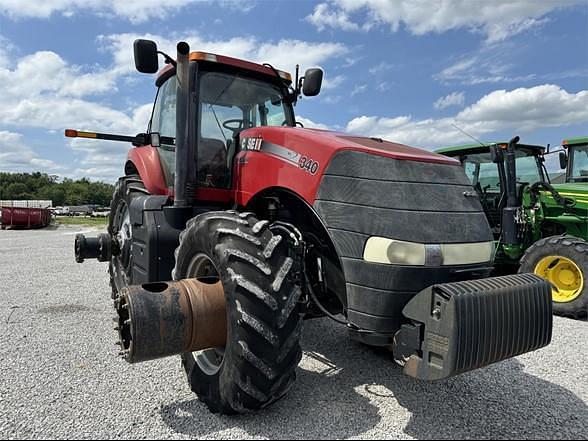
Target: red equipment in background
25 214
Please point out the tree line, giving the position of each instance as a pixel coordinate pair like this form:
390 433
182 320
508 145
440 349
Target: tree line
35 186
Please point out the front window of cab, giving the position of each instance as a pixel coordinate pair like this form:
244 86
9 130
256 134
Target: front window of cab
228 105
484 173
580 164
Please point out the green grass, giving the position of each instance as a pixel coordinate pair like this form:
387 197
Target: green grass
82 220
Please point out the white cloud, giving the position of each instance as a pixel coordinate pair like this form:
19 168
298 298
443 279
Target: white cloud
309 124
136 11
332 83
520 110
547 105
283 54
331 99
383 87
497 20
324 17
6 47
380 68
489 66
16 156
453 99
457 69
46 72
42 90
360 88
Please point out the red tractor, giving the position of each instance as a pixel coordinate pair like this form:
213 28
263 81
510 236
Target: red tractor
262 223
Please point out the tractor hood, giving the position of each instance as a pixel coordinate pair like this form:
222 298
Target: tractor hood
578 192
575 192
329 142
297 159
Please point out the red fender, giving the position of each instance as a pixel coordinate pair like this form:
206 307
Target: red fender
146 161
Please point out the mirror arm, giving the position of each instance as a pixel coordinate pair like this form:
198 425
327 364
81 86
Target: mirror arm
168 59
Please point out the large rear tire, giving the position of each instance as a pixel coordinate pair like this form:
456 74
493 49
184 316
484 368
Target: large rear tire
563 261
257 366
120 228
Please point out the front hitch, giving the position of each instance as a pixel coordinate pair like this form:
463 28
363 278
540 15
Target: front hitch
458 327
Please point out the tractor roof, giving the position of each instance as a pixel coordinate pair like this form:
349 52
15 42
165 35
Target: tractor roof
575 141
232 62
477 148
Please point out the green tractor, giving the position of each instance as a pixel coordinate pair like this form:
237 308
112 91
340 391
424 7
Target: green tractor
575 161
538 227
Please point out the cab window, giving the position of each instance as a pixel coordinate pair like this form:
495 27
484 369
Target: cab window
164 123
228 105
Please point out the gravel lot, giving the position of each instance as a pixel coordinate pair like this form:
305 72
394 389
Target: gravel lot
60 376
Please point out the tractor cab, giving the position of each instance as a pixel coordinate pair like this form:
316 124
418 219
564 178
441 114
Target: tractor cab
486 171
229 99
575 159
227 96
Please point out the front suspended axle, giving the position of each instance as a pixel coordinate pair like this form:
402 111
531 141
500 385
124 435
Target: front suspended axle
99 247
169 318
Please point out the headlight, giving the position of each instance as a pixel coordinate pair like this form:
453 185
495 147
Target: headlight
382 250
397 252
467 253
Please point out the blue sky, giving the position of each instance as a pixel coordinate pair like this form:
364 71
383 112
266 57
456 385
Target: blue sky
403 70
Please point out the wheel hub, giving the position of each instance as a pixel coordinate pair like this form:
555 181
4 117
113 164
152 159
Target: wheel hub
124 236
565 276
202 269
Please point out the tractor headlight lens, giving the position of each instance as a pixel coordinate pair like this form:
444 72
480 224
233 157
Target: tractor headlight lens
467 253
397 252
382 250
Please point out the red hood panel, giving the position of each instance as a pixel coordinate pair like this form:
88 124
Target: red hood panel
395 150
335 141
296 159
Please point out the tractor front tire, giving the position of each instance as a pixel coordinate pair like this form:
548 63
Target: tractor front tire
120 268
258 364
563 261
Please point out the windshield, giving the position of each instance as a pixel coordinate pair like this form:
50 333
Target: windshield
483 172
228 105
579 164
231 103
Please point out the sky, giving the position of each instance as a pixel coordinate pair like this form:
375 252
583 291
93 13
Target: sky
409 71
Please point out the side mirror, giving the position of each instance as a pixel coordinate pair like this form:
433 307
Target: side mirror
563 160
146 56
313 79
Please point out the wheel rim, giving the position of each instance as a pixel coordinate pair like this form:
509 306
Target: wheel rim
203 269
565 276
124 235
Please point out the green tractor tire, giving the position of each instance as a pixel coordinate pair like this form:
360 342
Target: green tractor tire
563 261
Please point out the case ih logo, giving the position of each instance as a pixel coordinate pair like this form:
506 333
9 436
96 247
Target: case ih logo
251 144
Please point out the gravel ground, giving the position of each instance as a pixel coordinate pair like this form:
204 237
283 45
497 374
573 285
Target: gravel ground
60 376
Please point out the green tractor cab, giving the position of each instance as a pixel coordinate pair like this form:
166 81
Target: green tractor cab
575 161
538 227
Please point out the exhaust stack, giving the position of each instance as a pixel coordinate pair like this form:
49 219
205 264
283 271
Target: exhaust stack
183 156
510 229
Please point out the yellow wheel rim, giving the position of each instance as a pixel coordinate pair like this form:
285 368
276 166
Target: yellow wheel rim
565 276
